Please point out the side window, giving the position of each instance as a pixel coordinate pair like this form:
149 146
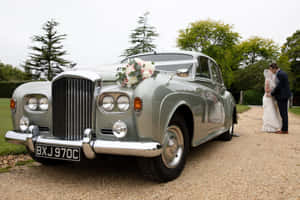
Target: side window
220 75
215 72
203 69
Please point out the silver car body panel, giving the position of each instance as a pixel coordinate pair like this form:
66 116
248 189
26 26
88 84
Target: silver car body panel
211 105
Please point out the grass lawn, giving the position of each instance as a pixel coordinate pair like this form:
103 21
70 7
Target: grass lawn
241 108
5 125
295 110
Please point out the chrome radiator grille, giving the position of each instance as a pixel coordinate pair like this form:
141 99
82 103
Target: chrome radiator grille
72 100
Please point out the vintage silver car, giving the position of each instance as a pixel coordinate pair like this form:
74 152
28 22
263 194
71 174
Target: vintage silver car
81 114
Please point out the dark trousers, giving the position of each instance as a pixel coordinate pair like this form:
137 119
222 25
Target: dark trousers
283 109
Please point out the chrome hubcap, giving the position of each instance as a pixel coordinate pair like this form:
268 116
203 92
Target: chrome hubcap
173 147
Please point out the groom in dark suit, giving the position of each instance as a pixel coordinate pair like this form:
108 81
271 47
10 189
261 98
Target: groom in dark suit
282 94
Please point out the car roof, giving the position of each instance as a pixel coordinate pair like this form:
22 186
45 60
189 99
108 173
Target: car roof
194 54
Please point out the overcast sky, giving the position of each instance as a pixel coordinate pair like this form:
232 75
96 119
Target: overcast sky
98 30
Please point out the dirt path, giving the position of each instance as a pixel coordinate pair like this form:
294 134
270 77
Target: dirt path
255 165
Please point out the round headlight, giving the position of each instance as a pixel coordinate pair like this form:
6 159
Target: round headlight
32 103
123 103
24 124
108 103
119 129
43 104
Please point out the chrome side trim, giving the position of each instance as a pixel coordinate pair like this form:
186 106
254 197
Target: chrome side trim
91 147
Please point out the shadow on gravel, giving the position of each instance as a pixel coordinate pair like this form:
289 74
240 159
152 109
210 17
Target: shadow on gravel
112 169
102 169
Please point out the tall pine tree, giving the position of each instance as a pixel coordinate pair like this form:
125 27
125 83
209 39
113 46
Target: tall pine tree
142 37
46 59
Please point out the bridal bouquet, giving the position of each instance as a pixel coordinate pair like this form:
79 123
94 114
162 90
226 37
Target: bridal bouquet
134 72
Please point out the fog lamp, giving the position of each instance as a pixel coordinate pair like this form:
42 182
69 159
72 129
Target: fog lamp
119 129
24 124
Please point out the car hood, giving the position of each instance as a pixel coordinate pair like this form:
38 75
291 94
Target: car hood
105 72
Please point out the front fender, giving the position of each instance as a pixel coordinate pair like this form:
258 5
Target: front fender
37 87
168 108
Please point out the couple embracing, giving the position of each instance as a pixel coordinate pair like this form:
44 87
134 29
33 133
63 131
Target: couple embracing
275 100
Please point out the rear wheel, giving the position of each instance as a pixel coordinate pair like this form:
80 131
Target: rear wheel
170 163
227 136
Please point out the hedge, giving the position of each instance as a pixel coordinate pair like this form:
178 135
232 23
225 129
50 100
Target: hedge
7 88
253 97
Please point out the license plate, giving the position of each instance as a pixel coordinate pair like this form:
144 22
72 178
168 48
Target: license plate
57 152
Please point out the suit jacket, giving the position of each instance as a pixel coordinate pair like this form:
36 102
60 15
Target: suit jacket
282 89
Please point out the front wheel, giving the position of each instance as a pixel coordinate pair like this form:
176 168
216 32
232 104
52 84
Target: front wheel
170 163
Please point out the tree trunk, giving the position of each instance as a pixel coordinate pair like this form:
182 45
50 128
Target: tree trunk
241 97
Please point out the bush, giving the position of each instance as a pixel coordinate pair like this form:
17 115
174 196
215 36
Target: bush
7 88
253 97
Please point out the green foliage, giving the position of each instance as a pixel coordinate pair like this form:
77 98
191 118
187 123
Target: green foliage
207 36
10 73
142 37
47 57
251 80
250 77
285 65
256 49
5 125
215 39
7 88
253 97
242 108
291 49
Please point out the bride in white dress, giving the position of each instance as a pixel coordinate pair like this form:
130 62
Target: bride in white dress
271 117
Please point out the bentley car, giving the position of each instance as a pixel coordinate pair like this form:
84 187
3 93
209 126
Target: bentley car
153 106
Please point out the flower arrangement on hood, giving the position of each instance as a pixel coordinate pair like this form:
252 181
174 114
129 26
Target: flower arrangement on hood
134 72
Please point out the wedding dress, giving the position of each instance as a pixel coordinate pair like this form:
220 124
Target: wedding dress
271 117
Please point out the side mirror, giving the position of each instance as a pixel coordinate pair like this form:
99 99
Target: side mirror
184 72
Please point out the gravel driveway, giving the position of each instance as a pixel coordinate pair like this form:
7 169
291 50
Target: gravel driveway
255 165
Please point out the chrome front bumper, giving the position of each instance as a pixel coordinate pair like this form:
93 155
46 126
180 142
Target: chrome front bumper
89 146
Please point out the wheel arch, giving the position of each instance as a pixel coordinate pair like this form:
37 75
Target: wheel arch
185 111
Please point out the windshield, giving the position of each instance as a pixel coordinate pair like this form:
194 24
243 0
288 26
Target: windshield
172 67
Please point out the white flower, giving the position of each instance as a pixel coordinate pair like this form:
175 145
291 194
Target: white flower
149 66
132 80
147 74
148 70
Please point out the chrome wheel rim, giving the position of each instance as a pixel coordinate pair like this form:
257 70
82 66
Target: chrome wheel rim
173 147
